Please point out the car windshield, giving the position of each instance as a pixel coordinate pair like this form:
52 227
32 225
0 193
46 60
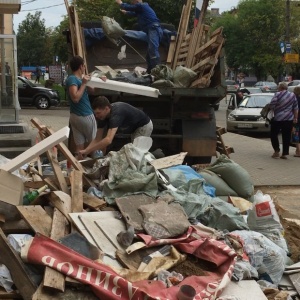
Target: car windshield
254 101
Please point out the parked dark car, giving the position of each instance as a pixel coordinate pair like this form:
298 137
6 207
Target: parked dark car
267 86
31 94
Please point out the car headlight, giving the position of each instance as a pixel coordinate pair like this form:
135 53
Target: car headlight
231 117
51 93
260 119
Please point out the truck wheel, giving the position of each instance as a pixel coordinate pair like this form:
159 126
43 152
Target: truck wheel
42 102
216 107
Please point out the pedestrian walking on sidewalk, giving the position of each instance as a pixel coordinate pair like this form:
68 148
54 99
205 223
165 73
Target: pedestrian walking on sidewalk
297 93
285 107
38 73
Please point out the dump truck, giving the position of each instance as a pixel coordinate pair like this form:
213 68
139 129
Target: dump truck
183 118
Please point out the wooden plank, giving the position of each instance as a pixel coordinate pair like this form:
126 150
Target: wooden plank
197 35
12 260
36 218
93 202
52 278
171 51
9 295
169 161
215 40
208 61
295 278
182 30
69 293
62 202
37 149
76 191
65 151
52 157
19 226
85 222
111 227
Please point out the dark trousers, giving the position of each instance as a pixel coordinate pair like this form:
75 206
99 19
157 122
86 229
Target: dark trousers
154 34
286 129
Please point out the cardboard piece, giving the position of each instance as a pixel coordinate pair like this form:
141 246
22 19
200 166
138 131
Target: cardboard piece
11 187
238 289
123 87
242 204
169 161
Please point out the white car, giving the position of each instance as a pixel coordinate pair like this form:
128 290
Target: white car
292 84
246 117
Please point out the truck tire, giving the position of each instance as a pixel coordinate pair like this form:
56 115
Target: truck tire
216 107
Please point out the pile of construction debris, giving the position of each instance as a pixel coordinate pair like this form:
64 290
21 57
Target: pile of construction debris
131 226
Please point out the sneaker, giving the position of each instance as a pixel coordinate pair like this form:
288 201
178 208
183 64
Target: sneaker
276 155
283 157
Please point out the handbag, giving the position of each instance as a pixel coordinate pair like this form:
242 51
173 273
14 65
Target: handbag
295 134
268 113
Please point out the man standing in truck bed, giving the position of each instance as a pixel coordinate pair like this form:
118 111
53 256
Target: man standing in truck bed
118 116
150 24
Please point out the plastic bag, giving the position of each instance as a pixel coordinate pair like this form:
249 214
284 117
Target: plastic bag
262 252
295 134
183 77
264 218
112 29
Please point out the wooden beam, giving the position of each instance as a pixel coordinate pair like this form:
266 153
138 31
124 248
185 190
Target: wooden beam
65 151
13 262
52 278
36 218
76 191
37 149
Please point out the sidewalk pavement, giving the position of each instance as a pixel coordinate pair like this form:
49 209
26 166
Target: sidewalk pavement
252 154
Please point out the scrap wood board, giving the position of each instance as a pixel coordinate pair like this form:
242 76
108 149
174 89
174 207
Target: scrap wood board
111 227
37 218
85 222
169 161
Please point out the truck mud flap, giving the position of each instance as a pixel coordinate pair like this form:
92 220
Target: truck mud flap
199 137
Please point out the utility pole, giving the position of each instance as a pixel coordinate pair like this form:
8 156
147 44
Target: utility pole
287 20
287 31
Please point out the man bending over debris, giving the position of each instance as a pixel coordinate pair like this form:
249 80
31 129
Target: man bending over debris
150 24
118 116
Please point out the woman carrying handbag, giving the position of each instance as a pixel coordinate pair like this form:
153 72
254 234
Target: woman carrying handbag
285 107
297 125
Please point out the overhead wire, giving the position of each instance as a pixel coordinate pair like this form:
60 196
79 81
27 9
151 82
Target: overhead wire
42 7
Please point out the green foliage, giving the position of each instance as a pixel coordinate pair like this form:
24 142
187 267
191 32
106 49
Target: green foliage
37 45
253 35
31 40
168 11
